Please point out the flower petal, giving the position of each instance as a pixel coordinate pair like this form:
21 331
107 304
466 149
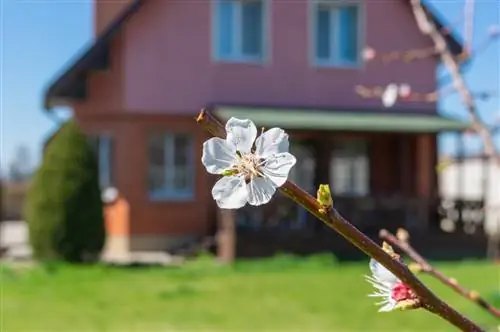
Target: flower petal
230 192
277 167
390 95
260 191
388 306
272 141
382 274
241 133
218 155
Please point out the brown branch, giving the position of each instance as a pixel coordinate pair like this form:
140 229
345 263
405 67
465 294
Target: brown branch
426 267
452 64
335 221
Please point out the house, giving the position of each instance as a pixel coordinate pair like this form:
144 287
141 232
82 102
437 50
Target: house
295 64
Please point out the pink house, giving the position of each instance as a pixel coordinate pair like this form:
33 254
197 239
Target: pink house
295 64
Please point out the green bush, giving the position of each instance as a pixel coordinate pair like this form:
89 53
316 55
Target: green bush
64 209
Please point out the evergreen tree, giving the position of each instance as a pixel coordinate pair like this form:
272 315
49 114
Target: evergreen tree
64 209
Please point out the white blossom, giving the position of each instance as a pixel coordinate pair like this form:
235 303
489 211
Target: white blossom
387 287
252 167
390 95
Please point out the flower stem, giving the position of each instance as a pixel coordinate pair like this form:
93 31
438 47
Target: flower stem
335 221
426 267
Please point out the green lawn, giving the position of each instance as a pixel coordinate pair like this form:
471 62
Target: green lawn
279 294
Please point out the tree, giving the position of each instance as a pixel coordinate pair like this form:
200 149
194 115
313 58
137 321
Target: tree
64 210
20 167
454 82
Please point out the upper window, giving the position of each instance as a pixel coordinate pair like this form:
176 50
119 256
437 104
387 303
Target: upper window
239 30
103 147
336 33
171 170
350 169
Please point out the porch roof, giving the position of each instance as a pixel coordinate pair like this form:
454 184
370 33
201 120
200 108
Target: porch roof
373 121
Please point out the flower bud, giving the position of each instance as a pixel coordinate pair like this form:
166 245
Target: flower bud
402 235
324 196
415 267
409 304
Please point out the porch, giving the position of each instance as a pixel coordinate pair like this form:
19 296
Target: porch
381 169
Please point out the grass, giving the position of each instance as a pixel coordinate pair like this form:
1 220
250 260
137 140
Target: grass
282 293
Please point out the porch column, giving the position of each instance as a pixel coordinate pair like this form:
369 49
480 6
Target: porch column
424 165
406 165
424 176
226 235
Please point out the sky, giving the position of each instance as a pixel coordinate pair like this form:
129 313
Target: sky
39 37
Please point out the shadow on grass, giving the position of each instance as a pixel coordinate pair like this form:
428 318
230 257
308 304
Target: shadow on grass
180 291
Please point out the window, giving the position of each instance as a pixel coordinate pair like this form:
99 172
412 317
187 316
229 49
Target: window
304 170
239 30
103 147
336 28
171 170
349 169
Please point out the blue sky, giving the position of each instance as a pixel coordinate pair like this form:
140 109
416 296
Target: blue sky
38 37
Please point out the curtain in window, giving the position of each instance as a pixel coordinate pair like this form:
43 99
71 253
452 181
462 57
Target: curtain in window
182 161
103 147
349 169
105 162
156 168
348 33
252 23
226 25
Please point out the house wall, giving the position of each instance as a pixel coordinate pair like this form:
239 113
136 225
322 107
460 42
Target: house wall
135 221
161 65
168 67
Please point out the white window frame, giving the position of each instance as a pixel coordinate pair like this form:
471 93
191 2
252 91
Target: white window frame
237 56
168 193
352 173
335 60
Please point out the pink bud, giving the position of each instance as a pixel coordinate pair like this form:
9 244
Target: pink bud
369 53
404 90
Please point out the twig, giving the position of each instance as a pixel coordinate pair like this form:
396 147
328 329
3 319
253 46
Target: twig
335 221
426 267
452 64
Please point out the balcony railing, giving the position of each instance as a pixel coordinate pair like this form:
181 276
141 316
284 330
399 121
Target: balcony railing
370 214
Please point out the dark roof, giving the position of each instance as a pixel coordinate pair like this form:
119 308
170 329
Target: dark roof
71 83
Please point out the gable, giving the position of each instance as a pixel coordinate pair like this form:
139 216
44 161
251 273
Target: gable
71 85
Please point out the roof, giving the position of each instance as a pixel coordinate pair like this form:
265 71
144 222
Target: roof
342 120
71 83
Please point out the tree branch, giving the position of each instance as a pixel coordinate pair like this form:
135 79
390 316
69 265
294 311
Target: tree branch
426 267
428 28
335 221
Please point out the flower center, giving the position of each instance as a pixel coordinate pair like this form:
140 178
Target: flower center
401 292
248 165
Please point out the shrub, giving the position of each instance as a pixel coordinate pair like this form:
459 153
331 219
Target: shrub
64 209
